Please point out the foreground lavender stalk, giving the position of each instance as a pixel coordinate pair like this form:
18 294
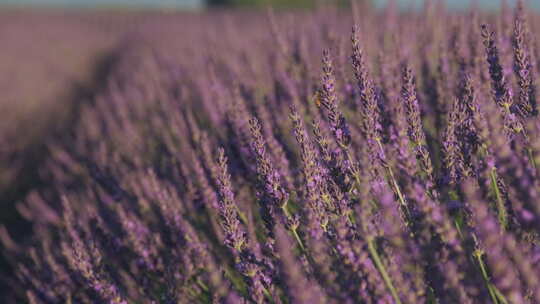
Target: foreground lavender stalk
370 113
415 130
236 237
522 65
504 275
313 177
338 124
498 81
235 233
86 259
342 136
502 93
452 154
271 193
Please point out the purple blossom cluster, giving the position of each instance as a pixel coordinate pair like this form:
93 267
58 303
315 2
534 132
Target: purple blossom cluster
298 161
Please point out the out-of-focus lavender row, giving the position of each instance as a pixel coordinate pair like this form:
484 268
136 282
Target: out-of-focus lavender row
333 156
51 61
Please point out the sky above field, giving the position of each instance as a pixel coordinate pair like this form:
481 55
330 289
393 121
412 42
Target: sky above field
98 3
198 3
493 4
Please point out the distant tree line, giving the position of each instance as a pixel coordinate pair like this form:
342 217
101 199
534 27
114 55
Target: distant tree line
296 3
261 2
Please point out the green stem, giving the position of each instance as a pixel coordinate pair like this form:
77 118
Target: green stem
235 279
500 296
531 158
458 220
382 270
491 289
293 230
530 153
297 237
501 209
400 195
371 245
500 202
241 214
202 285
268 295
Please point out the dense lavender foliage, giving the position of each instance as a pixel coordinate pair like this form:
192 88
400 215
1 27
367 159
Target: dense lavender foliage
333 156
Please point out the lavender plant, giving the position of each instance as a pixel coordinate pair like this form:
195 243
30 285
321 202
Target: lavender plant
234 166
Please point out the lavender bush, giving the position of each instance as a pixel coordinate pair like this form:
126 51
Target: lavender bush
335 156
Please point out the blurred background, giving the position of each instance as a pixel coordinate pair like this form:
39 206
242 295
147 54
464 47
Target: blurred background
201 4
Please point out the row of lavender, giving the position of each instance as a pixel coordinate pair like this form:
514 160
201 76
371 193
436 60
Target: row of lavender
224 164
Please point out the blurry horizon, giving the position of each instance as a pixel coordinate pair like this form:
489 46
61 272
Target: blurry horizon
200 4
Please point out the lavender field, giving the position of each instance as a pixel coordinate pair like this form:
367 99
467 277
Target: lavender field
334 155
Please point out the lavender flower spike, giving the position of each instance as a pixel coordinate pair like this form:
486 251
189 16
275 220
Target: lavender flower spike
498 81
235 234
451 151
415 130
84 257
370 112
271 193
522 65
313 177
330 102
